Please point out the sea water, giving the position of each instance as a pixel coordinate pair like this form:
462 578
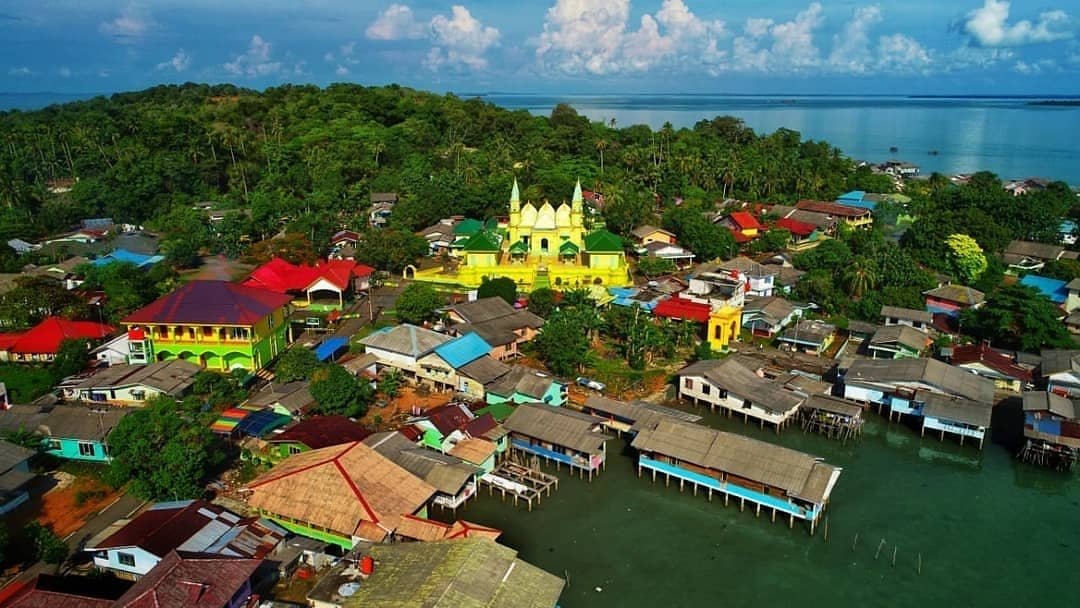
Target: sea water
985 529
1013 137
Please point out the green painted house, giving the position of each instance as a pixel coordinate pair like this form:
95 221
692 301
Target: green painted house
342 494
216 324
71 432
525 385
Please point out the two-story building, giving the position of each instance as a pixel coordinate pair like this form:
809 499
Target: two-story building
502 326
852 217
402 347
953 299
732 387
216 324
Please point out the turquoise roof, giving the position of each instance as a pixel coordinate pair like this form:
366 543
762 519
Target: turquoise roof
128 257
464 350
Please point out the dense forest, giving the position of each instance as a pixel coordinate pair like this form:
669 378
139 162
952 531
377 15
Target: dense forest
303 160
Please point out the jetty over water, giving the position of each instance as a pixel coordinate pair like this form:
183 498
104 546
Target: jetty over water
781 480
520 482
832 417
628 417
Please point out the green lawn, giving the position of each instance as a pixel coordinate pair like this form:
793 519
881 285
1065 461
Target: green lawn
25 382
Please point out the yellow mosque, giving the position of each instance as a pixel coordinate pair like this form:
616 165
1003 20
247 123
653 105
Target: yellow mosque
540 246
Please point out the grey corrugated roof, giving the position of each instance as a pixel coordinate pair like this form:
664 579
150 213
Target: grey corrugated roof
1057 361
932 372
638 412
12 454
901 334
809 331
956 409
774 307
173 377
484 370
406 339
483 309
293 396
445 473
907 314
559 426
1043 401
957 293
64 421
501 330
835 405
799 474
734 377
1017 250
524 380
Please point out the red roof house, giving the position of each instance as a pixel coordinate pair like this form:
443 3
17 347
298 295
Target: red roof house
41 342
48 591
210 303
680 308
796 227
337 276
322 431
193 580
744 221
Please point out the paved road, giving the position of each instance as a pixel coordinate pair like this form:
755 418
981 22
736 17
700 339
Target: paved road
124 506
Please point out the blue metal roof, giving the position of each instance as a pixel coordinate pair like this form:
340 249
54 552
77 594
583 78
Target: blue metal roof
258 424
129 257
463 350
1051 288
330 347
1067 227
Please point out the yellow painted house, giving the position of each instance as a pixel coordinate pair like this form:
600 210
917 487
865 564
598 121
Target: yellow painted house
542 246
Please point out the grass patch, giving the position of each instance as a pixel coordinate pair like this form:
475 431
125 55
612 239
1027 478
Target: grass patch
25 382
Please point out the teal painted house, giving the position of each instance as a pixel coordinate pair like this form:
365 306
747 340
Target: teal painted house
524 385
72 432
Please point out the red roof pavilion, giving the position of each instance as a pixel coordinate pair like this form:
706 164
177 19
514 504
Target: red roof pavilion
680 308
45 337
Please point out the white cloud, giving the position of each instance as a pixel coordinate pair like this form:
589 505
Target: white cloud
792 46
460 40
1035 67
899 53
256 61
395 23
346 54
851 45
20 71
341 70
594 37
179 62
128 27
988 26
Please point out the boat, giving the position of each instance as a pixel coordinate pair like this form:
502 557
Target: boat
893 149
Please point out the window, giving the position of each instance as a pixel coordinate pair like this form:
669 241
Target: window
138 395
746 404
54 444
688 383
86 449
294 449
238 333
126 559
705 389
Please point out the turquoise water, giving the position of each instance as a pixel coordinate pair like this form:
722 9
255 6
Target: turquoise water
991 532
1010 137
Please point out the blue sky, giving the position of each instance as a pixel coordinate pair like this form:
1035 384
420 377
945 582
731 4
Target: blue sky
548 46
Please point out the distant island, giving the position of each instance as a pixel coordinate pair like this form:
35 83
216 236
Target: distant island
1055 102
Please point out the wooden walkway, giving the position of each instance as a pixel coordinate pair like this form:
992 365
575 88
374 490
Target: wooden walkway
520 482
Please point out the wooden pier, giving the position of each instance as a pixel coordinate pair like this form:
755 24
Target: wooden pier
520 482
1048 454
832 417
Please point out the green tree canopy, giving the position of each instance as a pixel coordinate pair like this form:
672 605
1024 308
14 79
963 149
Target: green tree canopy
297 363
563 343
418 303
164 451
502 287
966 259
336 391
542 301
1017 316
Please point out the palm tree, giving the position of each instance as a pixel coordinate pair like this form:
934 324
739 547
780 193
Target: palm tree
600 146
861 276
378 148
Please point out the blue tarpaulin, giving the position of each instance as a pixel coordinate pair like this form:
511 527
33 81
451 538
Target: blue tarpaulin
330 347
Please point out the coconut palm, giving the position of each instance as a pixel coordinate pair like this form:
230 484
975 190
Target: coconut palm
861 276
